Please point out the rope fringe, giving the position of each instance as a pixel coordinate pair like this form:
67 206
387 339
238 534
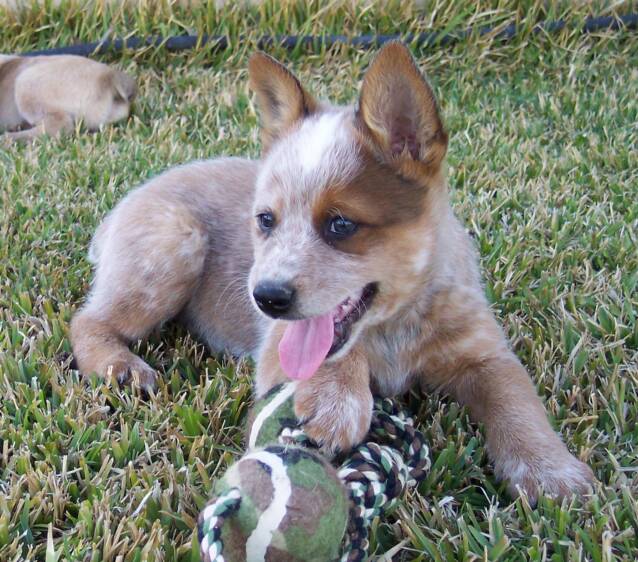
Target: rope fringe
211 521
377 473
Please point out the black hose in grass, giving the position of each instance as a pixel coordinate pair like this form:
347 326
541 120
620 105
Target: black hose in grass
425 39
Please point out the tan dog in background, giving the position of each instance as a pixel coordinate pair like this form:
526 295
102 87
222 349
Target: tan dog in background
50 94
335 260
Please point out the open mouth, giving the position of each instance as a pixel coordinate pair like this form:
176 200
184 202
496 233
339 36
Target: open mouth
347 314
306 343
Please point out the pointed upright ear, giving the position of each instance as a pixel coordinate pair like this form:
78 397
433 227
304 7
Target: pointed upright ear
399 112
280 96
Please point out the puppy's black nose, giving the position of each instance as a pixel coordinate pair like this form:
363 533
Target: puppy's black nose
274 298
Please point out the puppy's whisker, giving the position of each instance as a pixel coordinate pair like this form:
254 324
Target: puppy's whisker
240 279
239 293
235 298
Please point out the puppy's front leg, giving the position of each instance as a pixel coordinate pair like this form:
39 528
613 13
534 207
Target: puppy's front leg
335 404
520 440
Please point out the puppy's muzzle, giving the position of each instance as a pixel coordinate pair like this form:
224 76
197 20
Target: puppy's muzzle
274 298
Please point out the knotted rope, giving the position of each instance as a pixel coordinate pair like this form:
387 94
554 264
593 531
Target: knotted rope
379 472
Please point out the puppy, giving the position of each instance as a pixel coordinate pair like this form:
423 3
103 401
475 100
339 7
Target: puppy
50 94
335 260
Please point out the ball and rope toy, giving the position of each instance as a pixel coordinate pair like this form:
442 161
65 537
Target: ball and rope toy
284 501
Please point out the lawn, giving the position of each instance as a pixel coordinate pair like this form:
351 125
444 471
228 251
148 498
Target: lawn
543 161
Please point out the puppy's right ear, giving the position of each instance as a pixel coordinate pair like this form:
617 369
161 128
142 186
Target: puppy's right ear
399 112
280 96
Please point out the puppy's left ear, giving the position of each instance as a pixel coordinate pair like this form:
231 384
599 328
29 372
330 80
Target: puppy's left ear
281 98
398 110
125 86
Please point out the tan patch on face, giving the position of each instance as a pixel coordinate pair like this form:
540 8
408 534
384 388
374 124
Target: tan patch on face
124 85
377 199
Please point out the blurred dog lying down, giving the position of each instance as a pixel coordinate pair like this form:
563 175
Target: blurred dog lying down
50 94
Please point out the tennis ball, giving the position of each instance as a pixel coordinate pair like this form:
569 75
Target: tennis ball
293 507
270 415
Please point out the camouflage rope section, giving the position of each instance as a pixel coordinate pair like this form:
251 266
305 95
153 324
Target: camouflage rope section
264 505
375 475
213 516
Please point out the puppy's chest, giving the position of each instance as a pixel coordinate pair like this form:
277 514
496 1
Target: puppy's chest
397 354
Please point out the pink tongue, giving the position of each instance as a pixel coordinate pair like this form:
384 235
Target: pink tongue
305 345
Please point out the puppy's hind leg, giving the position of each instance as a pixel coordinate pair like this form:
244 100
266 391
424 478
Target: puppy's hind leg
150 255
51 124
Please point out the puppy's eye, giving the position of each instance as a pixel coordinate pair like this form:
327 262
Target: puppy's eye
266 221
341 227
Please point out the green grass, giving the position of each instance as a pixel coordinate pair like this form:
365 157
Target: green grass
543 168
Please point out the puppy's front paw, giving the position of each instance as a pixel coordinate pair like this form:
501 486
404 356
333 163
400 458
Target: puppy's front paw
562 477
335 417
133 372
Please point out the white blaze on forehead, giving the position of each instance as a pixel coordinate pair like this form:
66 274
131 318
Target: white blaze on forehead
318 138
322 149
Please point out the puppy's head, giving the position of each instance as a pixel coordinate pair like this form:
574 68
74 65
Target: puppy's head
120 91
346 206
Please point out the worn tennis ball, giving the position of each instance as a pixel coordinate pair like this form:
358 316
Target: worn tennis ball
293 507
270 415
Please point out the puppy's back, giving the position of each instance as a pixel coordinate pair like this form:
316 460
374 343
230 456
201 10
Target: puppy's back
75 86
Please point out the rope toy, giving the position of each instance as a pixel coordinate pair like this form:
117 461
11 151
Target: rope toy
284 501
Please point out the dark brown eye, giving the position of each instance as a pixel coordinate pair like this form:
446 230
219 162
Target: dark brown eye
338 228
266 221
